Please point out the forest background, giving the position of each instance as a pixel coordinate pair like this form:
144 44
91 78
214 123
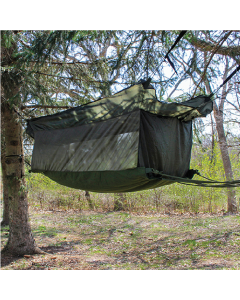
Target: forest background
46 71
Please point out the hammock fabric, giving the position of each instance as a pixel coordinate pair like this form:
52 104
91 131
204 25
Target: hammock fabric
118 143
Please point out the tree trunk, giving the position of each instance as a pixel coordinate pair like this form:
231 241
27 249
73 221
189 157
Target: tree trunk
5 216
218 115
20 239
119 201
213 143
88 198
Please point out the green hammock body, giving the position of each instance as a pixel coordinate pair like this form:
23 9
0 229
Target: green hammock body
122 143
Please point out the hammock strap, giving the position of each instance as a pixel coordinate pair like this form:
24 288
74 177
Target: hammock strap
177 40
226 80
203 183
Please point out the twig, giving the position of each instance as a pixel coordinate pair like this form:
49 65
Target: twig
218 45
43 106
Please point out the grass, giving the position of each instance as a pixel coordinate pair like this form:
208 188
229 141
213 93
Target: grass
130 241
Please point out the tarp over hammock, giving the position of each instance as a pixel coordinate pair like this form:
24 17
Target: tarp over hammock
115 144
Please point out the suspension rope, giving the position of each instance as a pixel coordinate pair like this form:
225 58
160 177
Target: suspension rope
173 46
203 183
226 80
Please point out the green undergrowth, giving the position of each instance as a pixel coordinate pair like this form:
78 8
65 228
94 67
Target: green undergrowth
47 194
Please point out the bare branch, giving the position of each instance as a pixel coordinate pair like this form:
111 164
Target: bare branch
217 46
231 51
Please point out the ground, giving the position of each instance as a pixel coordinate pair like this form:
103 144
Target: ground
83 240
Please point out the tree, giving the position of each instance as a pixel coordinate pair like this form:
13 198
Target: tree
17 84
219 118
20 237
27 59
5 220
228 52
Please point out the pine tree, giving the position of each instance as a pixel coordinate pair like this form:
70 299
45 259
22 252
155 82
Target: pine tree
20 240
21 83
41 70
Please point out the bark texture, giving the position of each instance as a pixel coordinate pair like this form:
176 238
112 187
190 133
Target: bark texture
5 219
5 214
89 200
218 115
20 240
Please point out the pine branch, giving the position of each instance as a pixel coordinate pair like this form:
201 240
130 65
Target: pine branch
72 63
81 79
43 106
231 51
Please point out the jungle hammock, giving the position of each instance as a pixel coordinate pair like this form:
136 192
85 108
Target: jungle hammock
124 143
